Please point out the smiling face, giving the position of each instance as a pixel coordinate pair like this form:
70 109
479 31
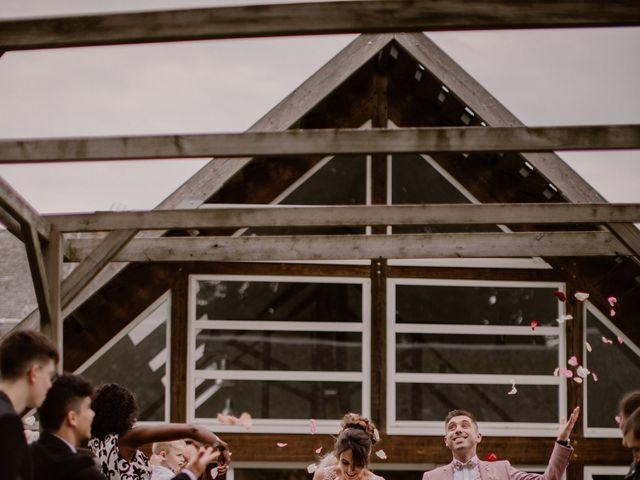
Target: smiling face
348 469
462 437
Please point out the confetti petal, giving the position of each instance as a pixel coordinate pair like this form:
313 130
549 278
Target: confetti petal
534 324
612 313
581 296
381 455
612 301
620 340
281 444
588 345
491 457
556 372
30 420
606 340
313 426
245 420
312 467
577 379
582 372
213 473
618 419
565 372
573 361
560 295
595 377
318 450
513 390
563 318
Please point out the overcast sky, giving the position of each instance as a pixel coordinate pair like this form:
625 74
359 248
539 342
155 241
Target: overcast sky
552 77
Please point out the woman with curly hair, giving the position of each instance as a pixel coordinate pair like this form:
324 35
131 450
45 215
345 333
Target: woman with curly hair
350 457
116 438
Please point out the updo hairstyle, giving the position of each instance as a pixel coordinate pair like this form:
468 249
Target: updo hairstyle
358 434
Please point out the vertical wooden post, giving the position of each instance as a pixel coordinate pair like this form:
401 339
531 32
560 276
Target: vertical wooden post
53 265
379 342
179 348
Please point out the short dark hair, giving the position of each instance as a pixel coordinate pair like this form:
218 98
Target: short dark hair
22 347
65 394
629 403
116 410
632 424
458 413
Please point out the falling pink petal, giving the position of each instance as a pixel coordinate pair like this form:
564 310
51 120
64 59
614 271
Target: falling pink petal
612 313
577 379
573 361
534 324
381 455
313 426
588 345
581 296
618 419
312 467
561 319
565 372
595 377
560 295
620 340
245 420
612 301
582 372
606 340
491 457
318 450
281 444
556 372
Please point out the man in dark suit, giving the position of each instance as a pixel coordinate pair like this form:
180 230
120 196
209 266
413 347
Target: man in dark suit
27 366
65 420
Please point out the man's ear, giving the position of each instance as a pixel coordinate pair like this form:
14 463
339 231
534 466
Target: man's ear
32 372
479 437
71 418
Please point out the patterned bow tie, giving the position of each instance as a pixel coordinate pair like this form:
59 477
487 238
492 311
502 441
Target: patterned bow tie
470 465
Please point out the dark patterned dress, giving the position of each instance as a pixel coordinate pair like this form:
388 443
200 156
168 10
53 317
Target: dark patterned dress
113 466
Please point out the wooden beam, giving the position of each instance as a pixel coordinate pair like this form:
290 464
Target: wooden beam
311 18
339 247
53 258
16 206
308 216
324 142
10 224
38 272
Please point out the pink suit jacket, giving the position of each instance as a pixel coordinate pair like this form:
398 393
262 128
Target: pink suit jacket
502 469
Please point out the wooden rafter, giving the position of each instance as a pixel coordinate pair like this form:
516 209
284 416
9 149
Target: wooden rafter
11 224
38 272
312 18
325 142
337 247
290 216
21 211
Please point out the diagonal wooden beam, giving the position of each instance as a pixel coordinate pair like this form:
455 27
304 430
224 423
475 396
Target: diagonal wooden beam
571 185
11 224
21 211
312 18
311 216
324 142
339 247
38 272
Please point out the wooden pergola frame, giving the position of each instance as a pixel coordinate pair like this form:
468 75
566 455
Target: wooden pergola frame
43 235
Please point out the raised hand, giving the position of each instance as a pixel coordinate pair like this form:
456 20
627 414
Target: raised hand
566 426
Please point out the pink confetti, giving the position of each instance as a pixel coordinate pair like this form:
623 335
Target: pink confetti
562 318
588 345
381 455
594 376
577 379
281 444
313 426
582 372
318 450
534 324
620 340
618 419
491 457
612 301
245 420
560 295
565 372
612 313
581 296
606 340
573 361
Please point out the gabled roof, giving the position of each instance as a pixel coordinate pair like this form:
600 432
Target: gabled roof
355 75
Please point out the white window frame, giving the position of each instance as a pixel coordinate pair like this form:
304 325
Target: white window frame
165 297
499 429
595 432
591 470
262 425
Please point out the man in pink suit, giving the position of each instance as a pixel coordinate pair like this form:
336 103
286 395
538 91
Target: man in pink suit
462 437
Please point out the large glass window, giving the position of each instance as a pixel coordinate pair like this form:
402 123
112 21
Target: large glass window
463 344
607 355
605 472
137 359
283 349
